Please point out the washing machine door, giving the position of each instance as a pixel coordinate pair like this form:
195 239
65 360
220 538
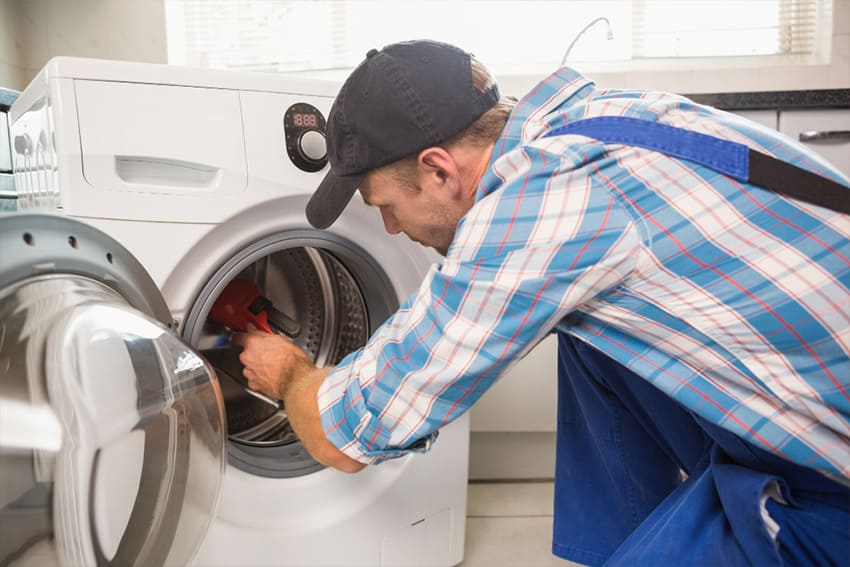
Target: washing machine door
112 436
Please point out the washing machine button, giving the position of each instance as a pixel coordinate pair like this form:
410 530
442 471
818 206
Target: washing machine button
313 146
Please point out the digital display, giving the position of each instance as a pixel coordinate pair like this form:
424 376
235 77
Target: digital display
304 137
305 119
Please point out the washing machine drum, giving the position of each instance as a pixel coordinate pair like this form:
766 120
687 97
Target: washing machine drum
111 428
333 295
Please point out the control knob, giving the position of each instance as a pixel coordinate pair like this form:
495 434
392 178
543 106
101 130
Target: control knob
312 146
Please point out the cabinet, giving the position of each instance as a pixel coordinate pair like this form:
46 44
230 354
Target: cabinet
826 131
513 424
524 399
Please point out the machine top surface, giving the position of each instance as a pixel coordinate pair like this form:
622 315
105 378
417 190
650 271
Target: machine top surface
83 68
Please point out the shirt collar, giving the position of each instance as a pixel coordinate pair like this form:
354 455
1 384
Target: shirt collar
534 115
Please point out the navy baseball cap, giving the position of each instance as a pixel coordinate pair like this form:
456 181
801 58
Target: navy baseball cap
400 100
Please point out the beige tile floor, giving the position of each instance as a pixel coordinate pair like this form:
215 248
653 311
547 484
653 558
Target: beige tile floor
510 524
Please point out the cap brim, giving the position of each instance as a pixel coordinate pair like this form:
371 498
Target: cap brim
331 197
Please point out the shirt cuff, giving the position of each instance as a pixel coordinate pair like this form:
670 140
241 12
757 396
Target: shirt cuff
351 428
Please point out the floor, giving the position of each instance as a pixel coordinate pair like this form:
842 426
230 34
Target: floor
510 524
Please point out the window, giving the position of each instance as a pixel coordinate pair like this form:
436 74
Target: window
507 35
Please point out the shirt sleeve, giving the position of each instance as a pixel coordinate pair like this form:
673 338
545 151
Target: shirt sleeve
549 239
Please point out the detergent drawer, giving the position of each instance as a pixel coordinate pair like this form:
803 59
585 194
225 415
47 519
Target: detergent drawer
161 139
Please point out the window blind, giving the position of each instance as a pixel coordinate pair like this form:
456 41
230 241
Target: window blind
297 35
706 28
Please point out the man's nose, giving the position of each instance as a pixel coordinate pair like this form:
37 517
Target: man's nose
391 225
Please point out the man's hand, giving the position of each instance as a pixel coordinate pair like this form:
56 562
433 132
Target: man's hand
282 371
271 362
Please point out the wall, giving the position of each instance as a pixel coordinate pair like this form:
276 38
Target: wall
33 31
12 74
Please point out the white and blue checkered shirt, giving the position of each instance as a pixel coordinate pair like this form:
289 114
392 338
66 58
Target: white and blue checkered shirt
729 298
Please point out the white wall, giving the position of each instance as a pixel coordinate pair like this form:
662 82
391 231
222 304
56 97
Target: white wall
33 31
12 74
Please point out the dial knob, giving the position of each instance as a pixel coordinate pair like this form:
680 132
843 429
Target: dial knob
313 146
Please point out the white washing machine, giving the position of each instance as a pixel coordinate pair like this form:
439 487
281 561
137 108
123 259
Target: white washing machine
203 176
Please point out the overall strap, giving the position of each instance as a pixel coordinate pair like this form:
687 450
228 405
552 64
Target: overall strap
730 158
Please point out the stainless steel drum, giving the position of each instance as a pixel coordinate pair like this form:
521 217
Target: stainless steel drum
111 427
337 295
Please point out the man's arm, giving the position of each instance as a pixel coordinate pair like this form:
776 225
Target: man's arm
303 411
279 369
546 239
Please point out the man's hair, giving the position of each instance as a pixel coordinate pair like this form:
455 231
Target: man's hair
481 133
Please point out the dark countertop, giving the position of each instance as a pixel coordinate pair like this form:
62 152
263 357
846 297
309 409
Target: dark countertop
826 98
7 97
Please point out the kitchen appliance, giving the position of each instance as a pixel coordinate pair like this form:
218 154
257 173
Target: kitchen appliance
7 187
202 176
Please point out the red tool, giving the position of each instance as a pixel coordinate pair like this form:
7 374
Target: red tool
242 303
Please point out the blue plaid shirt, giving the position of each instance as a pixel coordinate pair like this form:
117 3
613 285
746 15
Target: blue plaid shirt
729 298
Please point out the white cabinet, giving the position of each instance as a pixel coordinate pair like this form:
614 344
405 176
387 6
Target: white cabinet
513 424
525 398
826 131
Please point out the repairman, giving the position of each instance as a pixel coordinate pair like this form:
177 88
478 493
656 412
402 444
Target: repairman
695 266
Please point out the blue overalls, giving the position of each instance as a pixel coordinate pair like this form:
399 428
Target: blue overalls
621 497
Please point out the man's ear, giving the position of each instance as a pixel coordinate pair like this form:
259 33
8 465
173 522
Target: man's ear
437 168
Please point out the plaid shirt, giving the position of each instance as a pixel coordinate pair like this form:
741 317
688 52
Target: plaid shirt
729 298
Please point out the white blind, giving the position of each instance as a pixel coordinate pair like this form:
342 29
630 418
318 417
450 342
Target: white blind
705 28
294 35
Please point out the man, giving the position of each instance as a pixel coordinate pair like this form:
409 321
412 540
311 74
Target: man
703 321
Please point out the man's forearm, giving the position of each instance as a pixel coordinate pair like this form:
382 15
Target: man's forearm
303 412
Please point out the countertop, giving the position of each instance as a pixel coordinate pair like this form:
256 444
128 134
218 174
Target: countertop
778 100
7 97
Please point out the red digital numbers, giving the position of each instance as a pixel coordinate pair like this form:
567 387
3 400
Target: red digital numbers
305 120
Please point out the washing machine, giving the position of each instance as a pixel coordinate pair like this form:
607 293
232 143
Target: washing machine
156 186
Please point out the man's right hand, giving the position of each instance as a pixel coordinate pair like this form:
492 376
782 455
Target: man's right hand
282 371
271 362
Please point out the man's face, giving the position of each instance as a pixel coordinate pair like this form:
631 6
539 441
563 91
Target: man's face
424 213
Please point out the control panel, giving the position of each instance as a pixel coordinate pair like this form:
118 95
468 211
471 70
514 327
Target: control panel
304 132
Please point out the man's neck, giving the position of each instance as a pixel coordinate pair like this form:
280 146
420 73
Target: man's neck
475 163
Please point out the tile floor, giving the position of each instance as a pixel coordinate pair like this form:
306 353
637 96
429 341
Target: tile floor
510 524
